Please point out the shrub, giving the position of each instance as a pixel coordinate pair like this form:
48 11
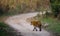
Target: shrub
4 9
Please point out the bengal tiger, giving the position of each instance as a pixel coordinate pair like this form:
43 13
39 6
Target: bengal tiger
36 23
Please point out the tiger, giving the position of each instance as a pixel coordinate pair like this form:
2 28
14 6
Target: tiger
36 23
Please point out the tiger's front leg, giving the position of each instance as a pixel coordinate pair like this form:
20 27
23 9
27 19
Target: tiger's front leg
35 29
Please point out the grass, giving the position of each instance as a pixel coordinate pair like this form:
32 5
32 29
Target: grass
54 25
5 30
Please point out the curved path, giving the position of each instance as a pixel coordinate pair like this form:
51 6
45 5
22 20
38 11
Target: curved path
20 24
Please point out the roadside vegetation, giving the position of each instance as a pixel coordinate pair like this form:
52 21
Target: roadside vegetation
53 25
5 30
53 18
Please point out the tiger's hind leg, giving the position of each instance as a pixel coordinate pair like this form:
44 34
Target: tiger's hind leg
40 29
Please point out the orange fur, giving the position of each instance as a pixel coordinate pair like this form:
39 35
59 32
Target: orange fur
36 23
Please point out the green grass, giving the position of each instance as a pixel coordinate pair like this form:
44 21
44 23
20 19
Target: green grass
2 29
54 25
5 30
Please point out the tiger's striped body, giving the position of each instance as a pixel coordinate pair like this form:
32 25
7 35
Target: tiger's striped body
36 23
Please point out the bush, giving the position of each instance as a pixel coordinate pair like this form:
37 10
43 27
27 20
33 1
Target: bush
55 4
4 9
58 17
1 11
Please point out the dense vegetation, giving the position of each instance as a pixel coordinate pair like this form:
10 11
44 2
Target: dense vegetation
5 30
4 9
10 7
55 4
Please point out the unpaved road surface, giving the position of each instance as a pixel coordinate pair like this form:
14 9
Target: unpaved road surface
19 23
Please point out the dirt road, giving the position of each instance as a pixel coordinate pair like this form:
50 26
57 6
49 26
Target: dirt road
19 23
